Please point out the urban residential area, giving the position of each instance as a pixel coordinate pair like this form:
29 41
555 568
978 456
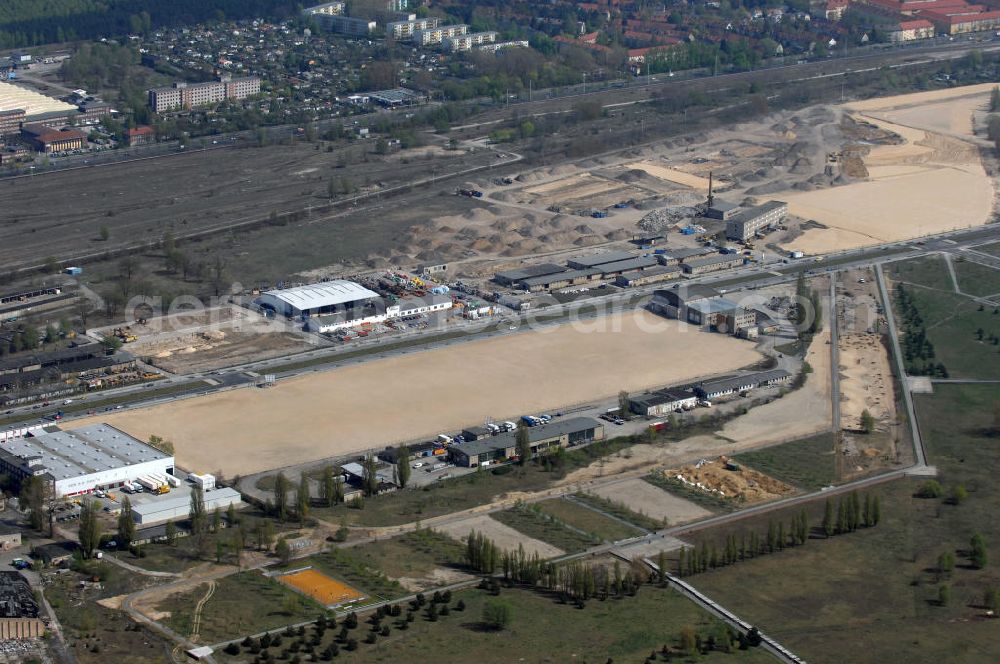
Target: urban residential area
420 330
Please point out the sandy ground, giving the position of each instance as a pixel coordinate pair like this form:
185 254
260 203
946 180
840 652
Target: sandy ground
799 413
745 485
640 496
502 535
403 398
933 182
437 577
671 175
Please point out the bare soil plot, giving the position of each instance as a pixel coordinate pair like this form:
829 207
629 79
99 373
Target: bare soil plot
672 175
798 414
331 413
644 498
505 537
744 485
933 182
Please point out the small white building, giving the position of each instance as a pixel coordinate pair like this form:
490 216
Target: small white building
177 505
421 305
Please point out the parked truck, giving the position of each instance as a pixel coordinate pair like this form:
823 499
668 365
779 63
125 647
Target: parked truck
153 483
173 481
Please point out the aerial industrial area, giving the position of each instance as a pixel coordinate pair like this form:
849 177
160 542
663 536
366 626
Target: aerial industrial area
595 332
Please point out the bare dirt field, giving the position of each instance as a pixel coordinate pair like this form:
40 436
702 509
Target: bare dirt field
644 498
672 175
332 413
505 537
934 181
798 414
744 485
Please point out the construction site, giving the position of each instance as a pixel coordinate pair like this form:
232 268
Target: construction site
203 339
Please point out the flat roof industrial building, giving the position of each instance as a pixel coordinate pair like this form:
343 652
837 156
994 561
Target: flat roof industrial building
561 433
32 103
176 505
81 460
508 277
317 299
593 260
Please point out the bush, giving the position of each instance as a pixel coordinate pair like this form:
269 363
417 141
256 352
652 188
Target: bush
496 614
931 489
232 649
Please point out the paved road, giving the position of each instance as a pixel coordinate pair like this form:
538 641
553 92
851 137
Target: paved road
918 443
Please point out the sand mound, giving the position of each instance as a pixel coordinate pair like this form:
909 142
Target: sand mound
588 240
483 245
620 234
478 214
801 166
445 229
583 228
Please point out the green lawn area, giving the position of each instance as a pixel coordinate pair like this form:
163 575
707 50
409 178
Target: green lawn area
360 568
244 603
540 630
619 510
541 526
807 464
977 279
992 249
871 595
97 634
929 271
414 555
587 520
951 322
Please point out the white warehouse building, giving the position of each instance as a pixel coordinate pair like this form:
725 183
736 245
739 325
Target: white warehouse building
326 298
80 460
155 509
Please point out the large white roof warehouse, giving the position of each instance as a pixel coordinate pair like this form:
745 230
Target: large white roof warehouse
33 103
316 299
80 460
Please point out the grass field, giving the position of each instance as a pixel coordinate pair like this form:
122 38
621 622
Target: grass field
929 271
587 520
360 569
540 630
96 633
951 323
244 603
871 595
807 464
977 279
993 249
541 526
619 510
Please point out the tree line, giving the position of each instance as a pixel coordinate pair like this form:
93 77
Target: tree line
918 351
851 513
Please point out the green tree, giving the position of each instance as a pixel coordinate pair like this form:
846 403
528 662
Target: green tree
522 444
283 551
958 494
945 563
867 422
990 599
828 522
302 498
931 489
281 496
403 465
171 533
995 100
196 513
126 524
977 554
32 499
689 640
90 527
369 475
496 614
624 411
944 595
105 233
329 487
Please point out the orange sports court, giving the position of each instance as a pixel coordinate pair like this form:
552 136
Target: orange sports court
324 589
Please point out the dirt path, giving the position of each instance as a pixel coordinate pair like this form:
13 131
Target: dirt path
196 620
